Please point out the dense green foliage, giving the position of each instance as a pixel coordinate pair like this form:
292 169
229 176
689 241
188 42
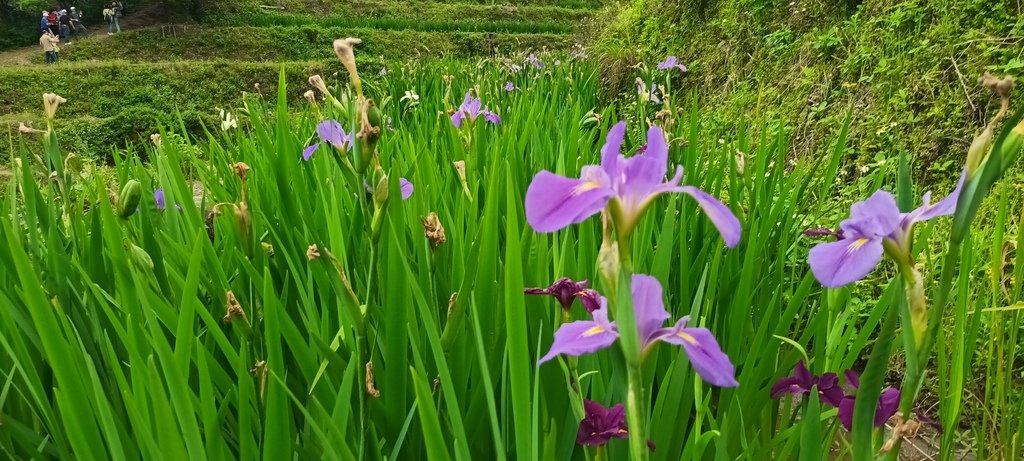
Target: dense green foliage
908 68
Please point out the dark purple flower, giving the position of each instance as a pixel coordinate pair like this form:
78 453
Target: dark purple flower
590 299
876 219
406 187
158 197
671 62
601 424
888 402
554 202
803 381
584 337
307 153
564 290
331 132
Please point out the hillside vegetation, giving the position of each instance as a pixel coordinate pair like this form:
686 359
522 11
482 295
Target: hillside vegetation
908 68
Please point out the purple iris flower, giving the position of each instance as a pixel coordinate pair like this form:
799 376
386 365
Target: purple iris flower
406 187
158 197
307 153
872 221
470 109
588 336
648 94
888 403
536 62
803 381
509 86
564 290
601 424
331 132
554 202
671 62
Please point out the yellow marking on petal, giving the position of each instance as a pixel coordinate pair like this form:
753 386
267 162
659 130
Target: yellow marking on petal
589 185
592 331
686 337
857 244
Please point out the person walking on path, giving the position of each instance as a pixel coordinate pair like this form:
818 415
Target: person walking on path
65 26
112 22
49 43
52 23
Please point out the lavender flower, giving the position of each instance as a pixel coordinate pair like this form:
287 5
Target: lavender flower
406 187
671 62
554 202
307 153
509 86
564 290
158 197
536 62
584 337
888 403
803 381
331 132
470 109
871 222
601 424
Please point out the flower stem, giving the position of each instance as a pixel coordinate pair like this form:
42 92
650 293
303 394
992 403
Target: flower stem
634 415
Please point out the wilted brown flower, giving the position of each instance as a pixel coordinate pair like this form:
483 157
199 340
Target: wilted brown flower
318 82
25 129
312 253
433 229
370 387
241 169
310 96
234 309
50 103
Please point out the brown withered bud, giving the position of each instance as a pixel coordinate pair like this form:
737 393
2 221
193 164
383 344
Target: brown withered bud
310 96
241 169
234 309
210 232
312 253
433 230
451 302
25 129
370 387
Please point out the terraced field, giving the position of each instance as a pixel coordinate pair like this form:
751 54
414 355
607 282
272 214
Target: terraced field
121 87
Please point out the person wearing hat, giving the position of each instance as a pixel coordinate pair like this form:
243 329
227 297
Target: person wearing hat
43 22
49 43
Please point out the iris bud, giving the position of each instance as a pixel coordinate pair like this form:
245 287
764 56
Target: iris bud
128 201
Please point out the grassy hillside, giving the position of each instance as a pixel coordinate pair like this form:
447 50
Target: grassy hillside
908 68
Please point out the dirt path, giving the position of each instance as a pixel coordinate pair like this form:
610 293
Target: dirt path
140 17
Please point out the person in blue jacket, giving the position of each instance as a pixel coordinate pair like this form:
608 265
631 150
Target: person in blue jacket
43 22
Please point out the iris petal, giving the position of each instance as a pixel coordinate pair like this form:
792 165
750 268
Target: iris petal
836 264
704 353
554 202
720 215
648 307
612 148
580 337
406 187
